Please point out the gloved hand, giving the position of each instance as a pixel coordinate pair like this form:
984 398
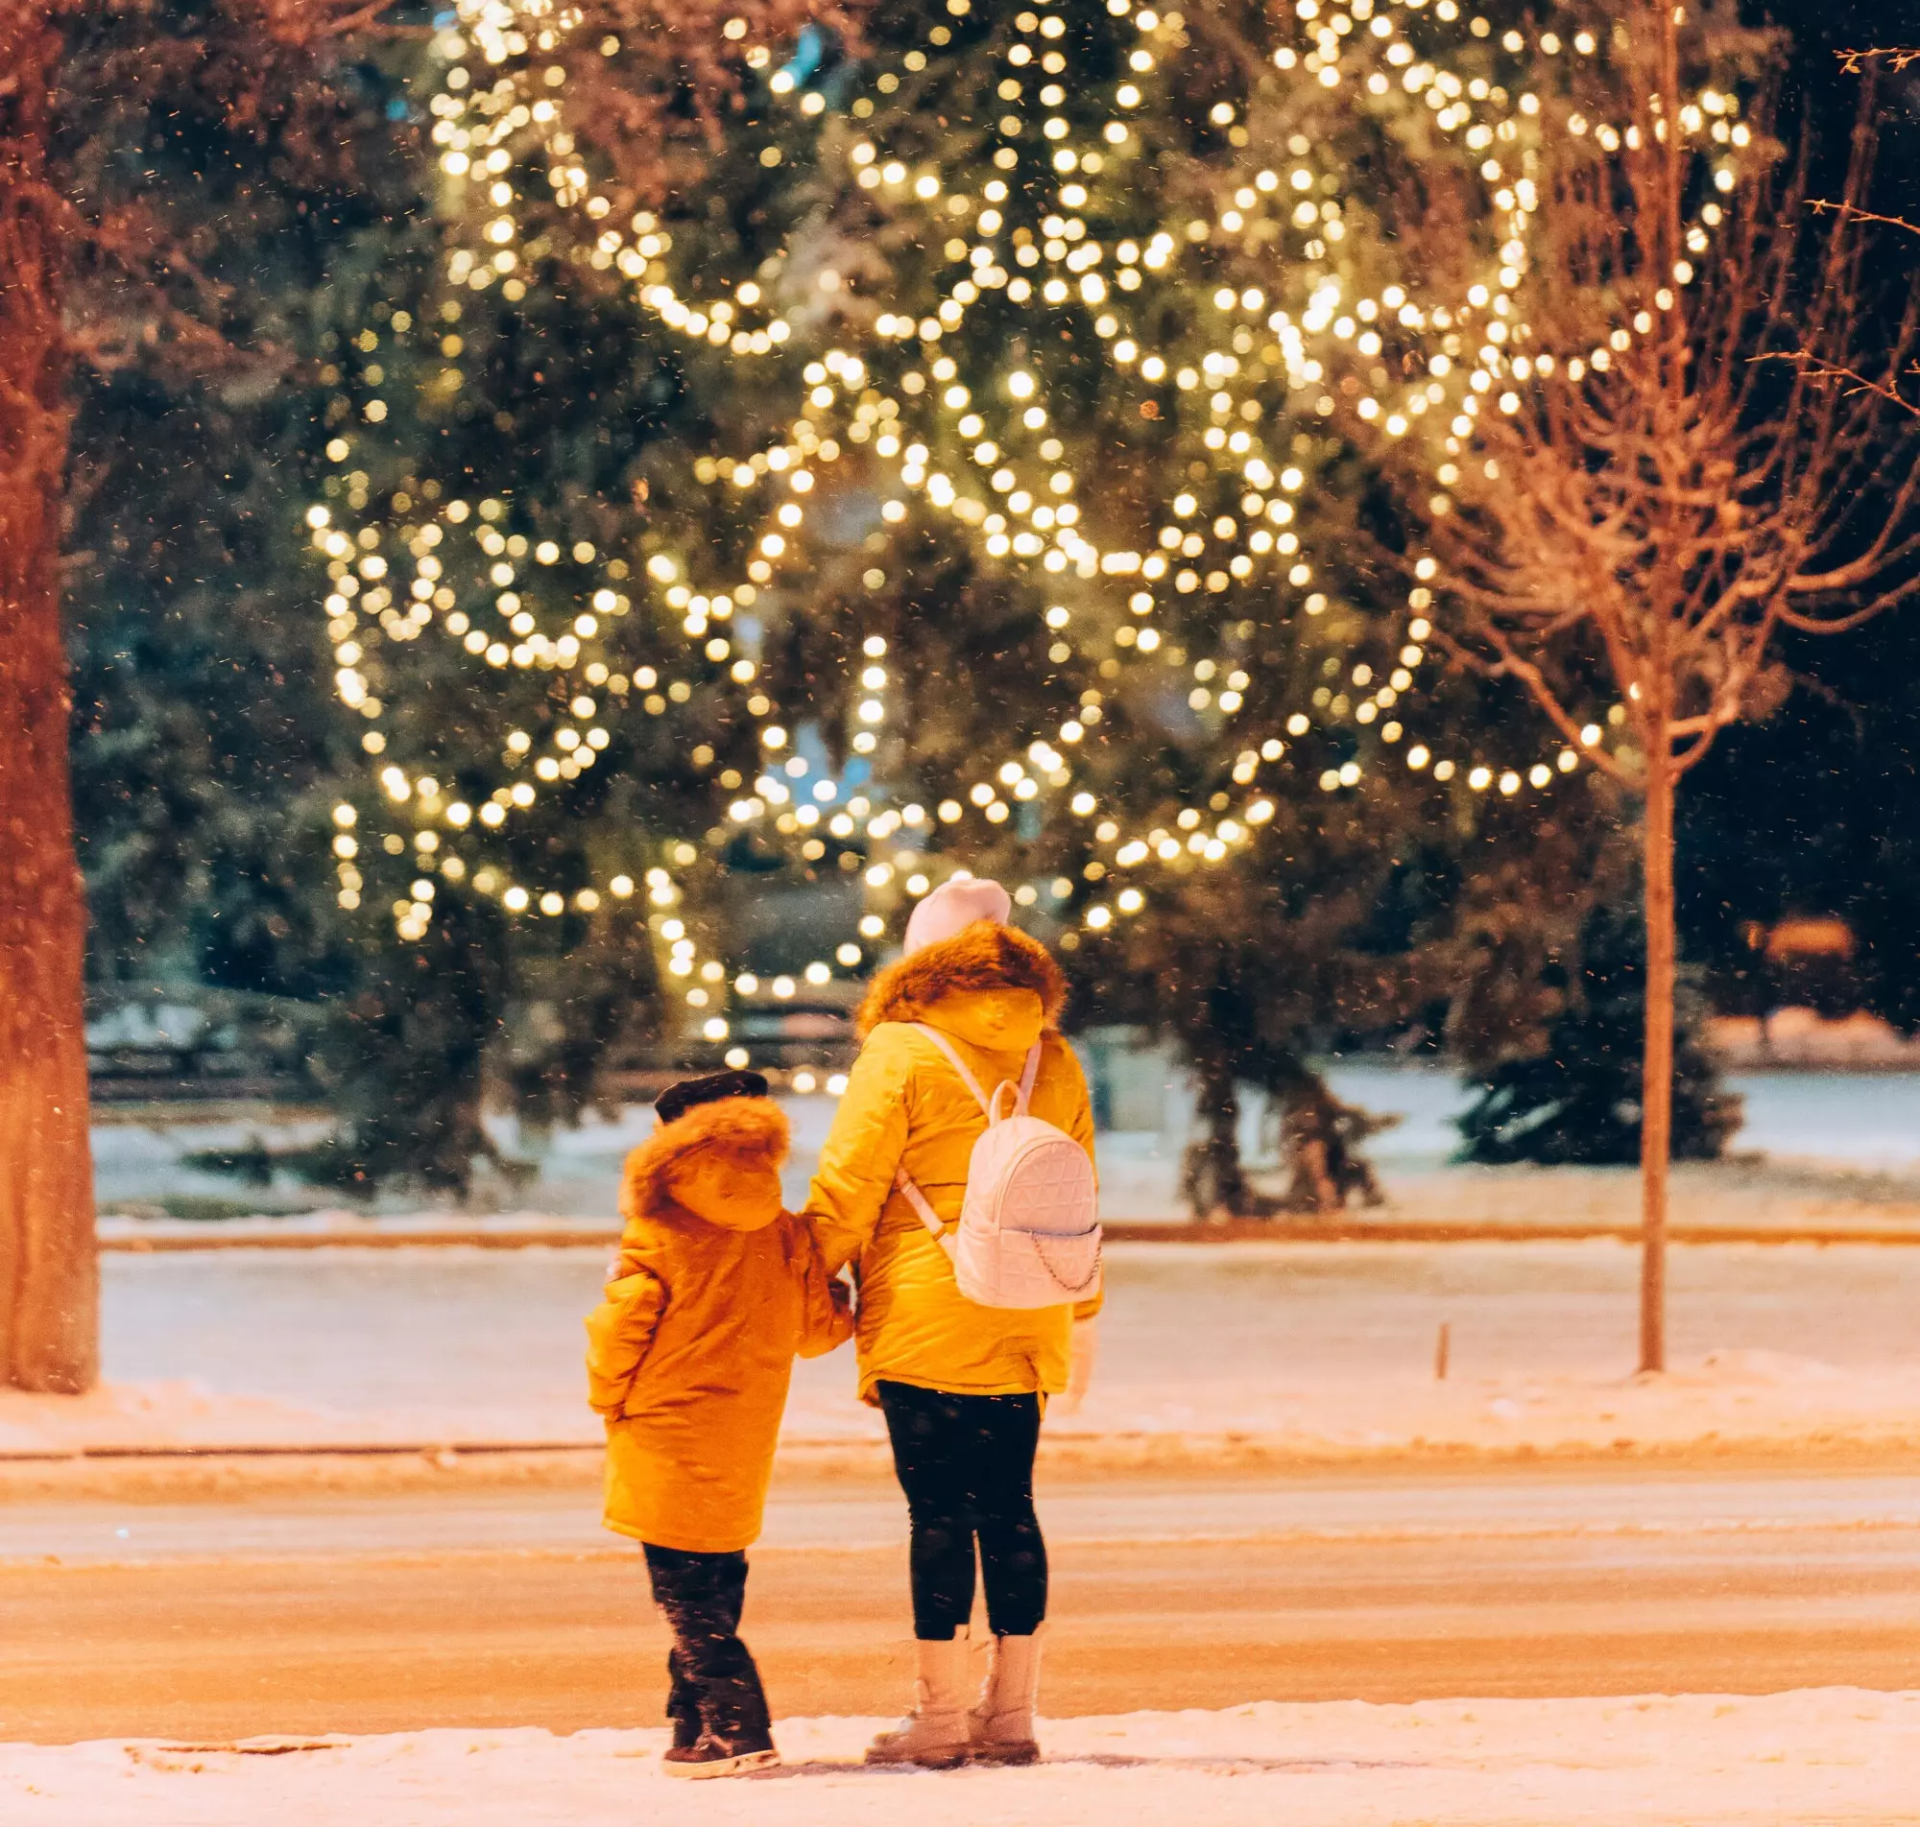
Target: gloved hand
1086 1350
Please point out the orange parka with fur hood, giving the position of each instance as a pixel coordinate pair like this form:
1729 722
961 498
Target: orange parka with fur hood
992 991
690 1354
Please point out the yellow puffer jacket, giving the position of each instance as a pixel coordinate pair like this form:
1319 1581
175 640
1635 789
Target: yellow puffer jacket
690 1354
993 991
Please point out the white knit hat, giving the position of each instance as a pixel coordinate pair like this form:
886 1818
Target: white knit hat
953 907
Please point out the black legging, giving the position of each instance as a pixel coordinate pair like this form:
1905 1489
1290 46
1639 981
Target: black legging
966 1465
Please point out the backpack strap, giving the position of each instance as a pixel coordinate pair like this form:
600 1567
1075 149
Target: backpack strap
1028 1076
903 1181
922 1206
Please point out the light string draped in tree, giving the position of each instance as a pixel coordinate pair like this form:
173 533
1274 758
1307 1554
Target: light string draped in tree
969 438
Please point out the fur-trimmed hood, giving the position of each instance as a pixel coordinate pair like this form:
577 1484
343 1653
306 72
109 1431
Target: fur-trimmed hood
735 1143
983 959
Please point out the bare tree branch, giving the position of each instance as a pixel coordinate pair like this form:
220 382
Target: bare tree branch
1895 58
1822 206
1678 447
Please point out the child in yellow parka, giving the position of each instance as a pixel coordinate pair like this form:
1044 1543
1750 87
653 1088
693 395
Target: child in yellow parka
689 1356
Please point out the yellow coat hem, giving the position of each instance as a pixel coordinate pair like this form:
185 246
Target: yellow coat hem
870 1379
682 1544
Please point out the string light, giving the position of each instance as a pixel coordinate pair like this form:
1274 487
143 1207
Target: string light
979 449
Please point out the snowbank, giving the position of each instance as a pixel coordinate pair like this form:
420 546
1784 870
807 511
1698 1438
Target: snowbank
152 1416
345 1227
1749 1402
1824 1755
1728 1401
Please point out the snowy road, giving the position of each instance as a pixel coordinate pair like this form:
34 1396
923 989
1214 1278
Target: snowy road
505 1609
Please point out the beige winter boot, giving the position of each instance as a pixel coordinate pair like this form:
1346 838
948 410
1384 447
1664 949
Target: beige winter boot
1003 1721
935 1734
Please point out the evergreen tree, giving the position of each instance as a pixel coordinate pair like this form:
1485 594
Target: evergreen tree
1577 1101
1048 573
1024 568
209 767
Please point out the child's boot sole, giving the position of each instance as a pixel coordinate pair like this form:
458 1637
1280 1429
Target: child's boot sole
742 1765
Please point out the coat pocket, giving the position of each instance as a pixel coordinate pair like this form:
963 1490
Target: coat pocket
619 1335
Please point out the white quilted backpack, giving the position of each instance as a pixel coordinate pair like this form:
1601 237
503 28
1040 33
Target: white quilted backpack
1029 1233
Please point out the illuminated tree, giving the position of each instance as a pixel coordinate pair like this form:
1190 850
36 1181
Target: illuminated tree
1641 510
1061 305
131 270
493 422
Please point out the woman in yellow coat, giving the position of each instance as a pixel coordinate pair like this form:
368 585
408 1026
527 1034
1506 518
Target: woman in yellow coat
961 1385
689 1357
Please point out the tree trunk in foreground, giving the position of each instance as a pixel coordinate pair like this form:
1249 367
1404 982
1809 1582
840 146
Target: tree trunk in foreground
49 1274
1656 1082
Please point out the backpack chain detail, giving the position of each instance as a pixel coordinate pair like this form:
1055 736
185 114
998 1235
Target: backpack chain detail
1029 1231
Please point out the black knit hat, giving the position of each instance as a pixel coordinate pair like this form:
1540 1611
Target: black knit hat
678 1099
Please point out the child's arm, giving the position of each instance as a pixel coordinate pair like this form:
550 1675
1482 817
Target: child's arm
826 1302
619 1335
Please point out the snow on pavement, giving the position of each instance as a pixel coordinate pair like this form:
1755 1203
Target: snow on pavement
177 1413
1726 1403
1309 1349
1827 1756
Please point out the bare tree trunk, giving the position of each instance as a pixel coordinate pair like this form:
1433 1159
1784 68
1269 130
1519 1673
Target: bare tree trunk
49 1324
1211 1176
1656 1085
49 1275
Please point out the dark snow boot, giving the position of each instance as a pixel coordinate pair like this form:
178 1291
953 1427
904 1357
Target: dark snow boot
737 1732
683 1704
711 1757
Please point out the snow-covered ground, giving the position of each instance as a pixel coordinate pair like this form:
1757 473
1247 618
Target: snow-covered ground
1827 1756
1825 1136
1307 1349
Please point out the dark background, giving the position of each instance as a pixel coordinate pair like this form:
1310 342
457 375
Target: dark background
1818 810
